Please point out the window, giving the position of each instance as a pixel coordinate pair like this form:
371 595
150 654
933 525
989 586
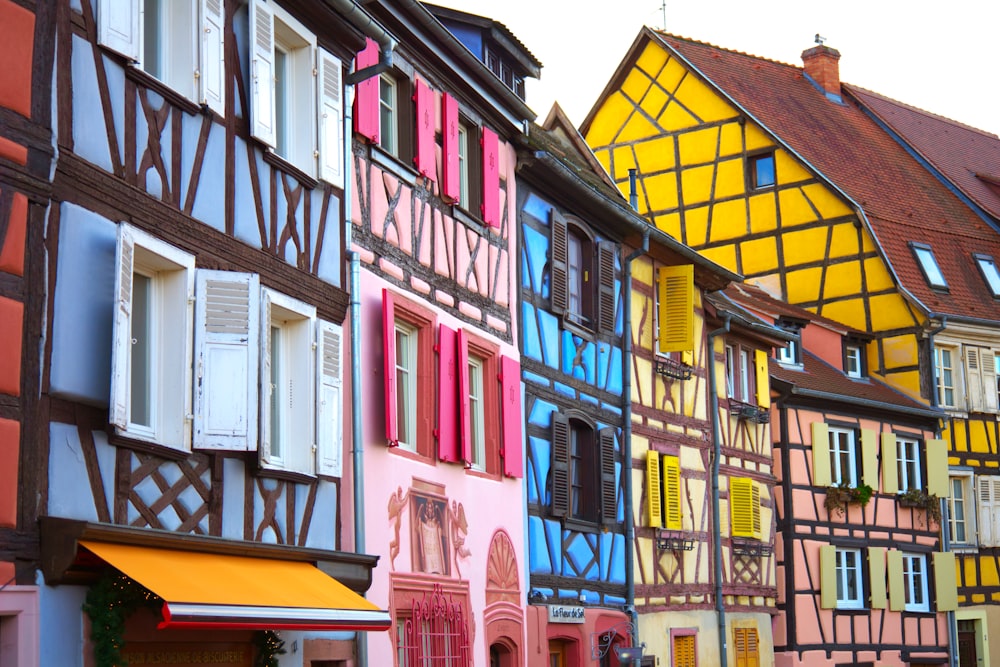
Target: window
463 165
388 115
849 579
915 582
433 631
789 354
988 268
747 378
929 266
745 647
980 379
406 385
582 480
761 171
461 162
477 418
908 464
663 490
408 341
853 360
581 276
843 457
579 254
744 507
960 518
179 43
944 375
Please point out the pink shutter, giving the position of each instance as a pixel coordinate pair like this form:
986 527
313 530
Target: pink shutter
447 431
510 400
389 367
491 178
366 95
451 185
424 159
464 413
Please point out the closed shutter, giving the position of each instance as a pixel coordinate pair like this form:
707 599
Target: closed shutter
890 463
118 26
366 95
510 402
945 581
450 176
876 577
329 399
973 379
226 331
869 458
447 428
560 465
464 409
672 492
266 387
684 652
937 467
746 649
389 368
424 160
763 383
330 94
897 591
121 350
675 292
988 495
212 69
262 72
609 490
558 263
491 177
606 286
821 454
653 492
741 512
828 576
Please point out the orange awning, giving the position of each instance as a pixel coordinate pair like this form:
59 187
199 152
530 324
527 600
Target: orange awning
209 590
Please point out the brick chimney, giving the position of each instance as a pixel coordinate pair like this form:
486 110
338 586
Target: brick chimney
821 64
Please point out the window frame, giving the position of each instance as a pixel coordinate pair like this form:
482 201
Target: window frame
929 267
909 463
966 483
753 163
990 272
399 126
859 370
844 571
741 373
295 142
940 387
424 322
837 452
912 585
488 355
601 483
598 278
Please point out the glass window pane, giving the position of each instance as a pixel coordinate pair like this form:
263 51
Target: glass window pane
142 350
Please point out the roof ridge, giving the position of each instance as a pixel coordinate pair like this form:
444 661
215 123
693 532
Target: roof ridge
691 40
916 109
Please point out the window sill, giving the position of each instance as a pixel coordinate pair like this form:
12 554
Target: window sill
582 526
470 220
175 98
285 475
119 439
578 328
484 474
396 450
278 162
393 164
852 611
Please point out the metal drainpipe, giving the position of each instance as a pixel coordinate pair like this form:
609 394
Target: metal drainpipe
713 403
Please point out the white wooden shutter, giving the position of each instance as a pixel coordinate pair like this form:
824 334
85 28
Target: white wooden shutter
988 363
987 494
262 72
121 335
226 332
266 389
118 26
330 94
973 379
329 399
212 66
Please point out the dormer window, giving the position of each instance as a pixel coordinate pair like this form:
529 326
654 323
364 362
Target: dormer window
929 266
791 353
988 267
853 360
761 171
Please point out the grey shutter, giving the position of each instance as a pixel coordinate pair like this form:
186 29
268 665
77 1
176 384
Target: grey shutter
558 259
606 286
609 490
560 465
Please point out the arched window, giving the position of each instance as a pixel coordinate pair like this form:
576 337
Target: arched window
582 275
582 480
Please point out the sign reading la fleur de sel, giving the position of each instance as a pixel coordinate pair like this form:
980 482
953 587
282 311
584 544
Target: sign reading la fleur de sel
565 614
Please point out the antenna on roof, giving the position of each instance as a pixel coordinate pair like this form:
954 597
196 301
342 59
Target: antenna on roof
663 8
819 39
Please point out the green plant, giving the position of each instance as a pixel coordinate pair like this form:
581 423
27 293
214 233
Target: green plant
838 497
921 499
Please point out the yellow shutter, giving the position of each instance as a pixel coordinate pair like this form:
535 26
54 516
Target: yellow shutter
755 509
684 651
653 488
937 468
676 308
869 458
687 357
745 647
741 506
890 471
897 592
821 454
945 576
672 492
828 576
876 576
763 381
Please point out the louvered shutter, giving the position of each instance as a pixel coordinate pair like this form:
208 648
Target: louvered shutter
753 651
606 286
672 492
560 465
676 308
821 454
266 387
389 368
330 94
740 646
988 492
510 400
226 332
451 178
945 581
262 72
558 263
973 379
755 509
609 491
329 399
211 75
464 408
828 576
424 159
118 26
491 177
762 378
937 467
683 651
121 351
869 458
890 463
741 506
988 363
897 591
653 493
876 577
447 430
366 95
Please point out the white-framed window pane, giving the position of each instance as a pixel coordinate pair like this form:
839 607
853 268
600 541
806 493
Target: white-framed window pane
915 582
990 273
477 424
957 510
277 392
908 464
143 350
574 264
788 354
744 375
843 457
281 102
730 372
406 385
463 165
945 376
152 25
387 115
853 361
849 585
930 266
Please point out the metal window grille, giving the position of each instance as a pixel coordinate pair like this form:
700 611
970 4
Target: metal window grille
436 634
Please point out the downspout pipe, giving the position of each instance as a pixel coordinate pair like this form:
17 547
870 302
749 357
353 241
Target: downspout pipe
363 21
713 404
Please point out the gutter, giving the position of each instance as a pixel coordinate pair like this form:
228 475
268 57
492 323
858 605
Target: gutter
867 403
720 608
361 20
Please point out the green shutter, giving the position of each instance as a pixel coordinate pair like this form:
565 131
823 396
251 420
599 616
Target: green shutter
897 592
869 458
828 576
890 463
945 577
821 454
937 468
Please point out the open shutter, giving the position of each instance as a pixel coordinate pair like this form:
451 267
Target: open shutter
937 467
424 159
755 509
876 577
560 465
121 351
763 380
451 179
447 430
389 368
609 491
672 492
329 399
464 409
974 379
366 95
226 331
606 286
654 496
986 488
987 362
890 464
675 290
510 402
212 69
118 26
266 387
741 506
821 454
491 178
330 94
945 581
558 263
869 458
828 576
897 592
262 72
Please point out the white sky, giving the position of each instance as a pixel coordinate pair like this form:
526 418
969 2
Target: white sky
943 57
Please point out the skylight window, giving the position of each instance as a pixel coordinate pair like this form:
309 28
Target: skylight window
991 275
929 265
